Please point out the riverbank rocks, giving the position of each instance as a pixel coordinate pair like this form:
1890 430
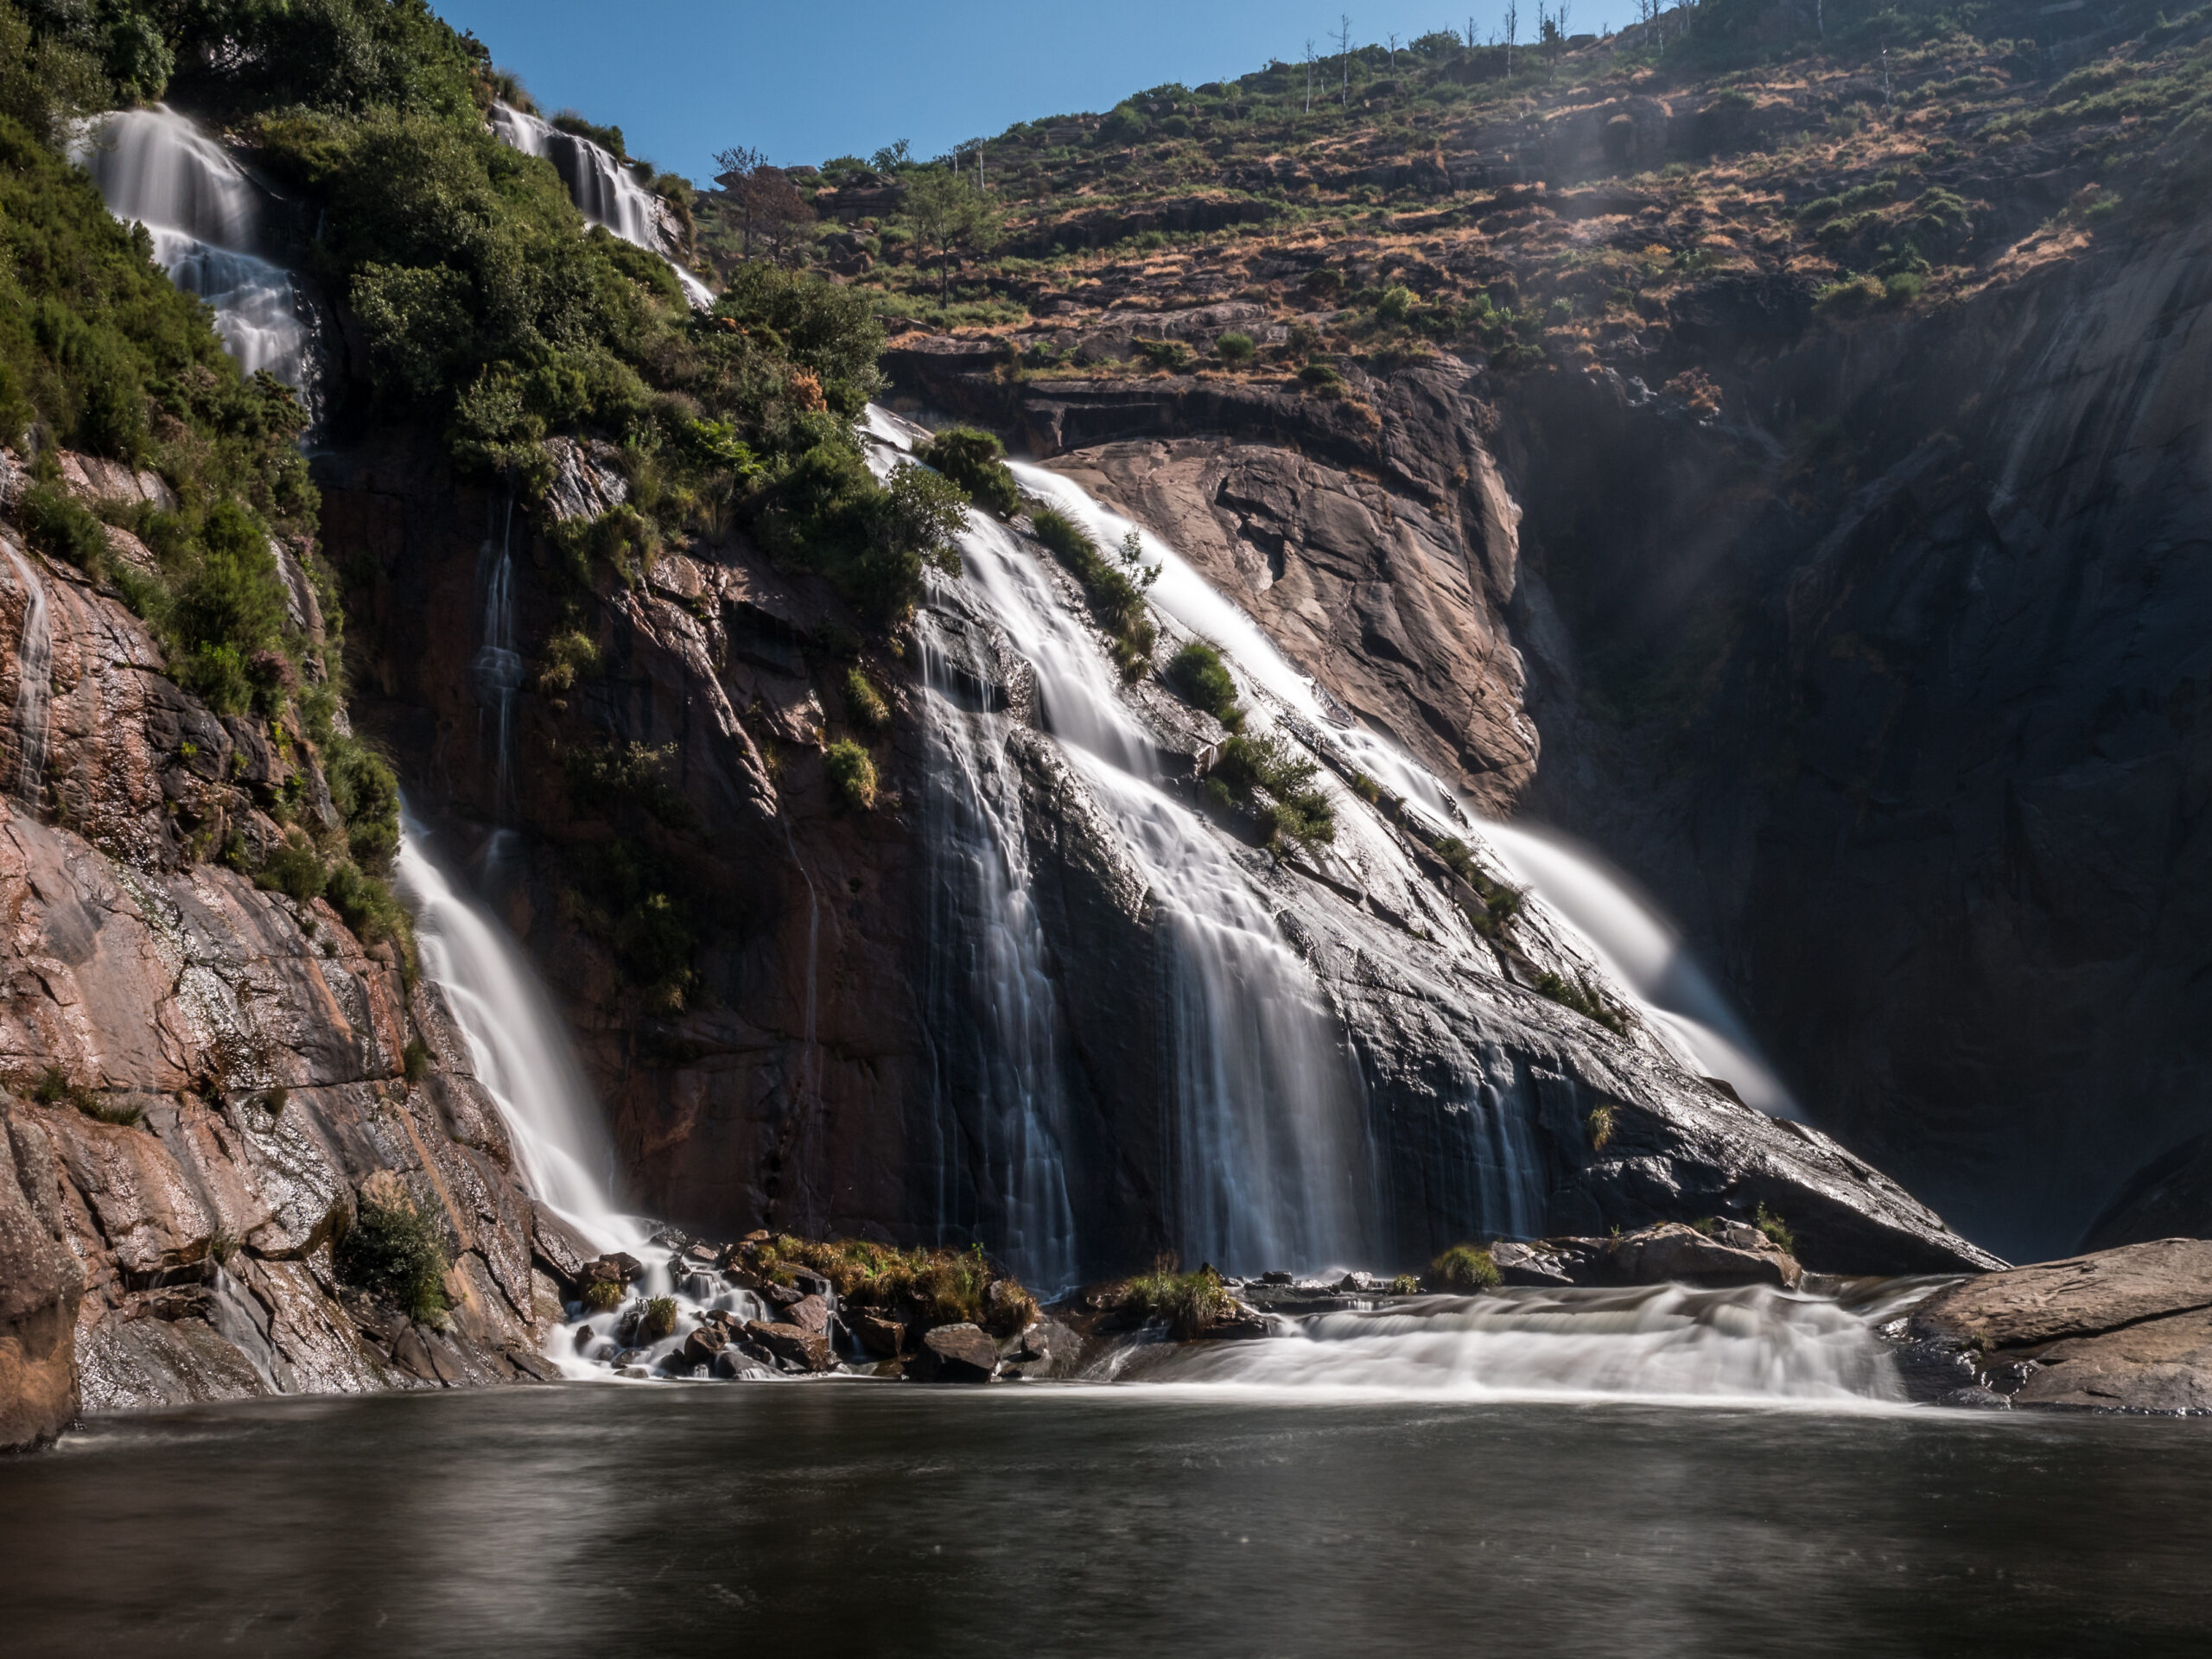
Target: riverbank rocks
808 1350
2126 1330
955 1353
1732 1254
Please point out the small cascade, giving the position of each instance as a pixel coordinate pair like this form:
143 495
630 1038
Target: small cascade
34 684
999 1100
522 1056
1621 934
519 1050
498 665
605 191
1665 1343
204 215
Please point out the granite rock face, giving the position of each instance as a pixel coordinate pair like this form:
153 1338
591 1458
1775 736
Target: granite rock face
2121 1330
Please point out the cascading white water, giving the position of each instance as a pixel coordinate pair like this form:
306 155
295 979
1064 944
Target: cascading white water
205 218
1749 1345
34 683
519 1050
1640 951
1269 1157
605 191
999 1101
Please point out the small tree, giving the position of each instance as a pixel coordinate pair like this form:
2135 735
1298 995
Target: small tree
768 204
950 217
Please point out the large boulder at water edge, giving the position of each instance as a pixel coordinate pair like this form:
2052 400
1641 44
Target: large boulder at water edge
955 1353
2124 1329
808 1350
1732 1254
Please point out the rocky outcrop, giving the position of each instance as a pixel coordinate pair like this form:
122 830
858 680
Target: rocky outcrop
2123 1330
1882 645
200 1075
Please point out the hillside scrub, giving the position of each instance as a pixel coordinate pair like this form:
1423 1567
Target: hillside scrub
1204 679
976 461
1295 811
922 1287
1116 595
99 352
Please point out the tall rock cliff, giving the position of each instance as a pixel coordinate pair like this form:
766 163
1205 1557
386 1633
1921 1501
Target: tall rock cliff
201 1075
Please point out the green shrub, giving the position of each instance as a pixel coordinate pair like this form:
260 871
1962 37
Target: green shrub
1296 810
1171 356
1188 1303
415 1060
1580 996
1465 1268
620 780
1772 1226
295 869
604 1295
1199 673
1405 1285
659 1320
1600 1126
851 775
976 462
864 704
1116 595
1320 374
1904 286
396 1248
927 1287
568 658
1235 349
61 527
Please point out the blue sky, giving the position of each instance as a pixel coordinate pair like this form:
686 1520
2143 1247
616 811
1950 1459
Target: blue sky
685 78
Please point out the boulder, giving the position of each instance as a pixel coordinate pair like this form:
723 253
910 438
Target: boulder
700 1346
2080 1296
2123 1330
810 1314
808 1350
884 1337
955 1353
1524 1264
1050 1348
1673 1254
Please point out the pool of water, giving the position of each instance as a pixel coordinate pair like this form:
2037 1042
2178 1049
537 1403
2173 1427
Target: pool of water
849 1517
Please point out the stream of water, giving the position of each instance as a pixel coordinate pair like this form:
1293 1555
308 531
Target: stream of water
205 217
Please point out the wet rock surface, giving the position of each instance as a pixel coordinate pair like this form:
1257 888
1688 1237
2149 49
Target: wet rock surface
2124 1329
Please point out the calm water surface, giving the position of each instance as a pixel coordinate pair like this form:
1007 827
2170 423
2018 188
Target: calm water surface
857 1518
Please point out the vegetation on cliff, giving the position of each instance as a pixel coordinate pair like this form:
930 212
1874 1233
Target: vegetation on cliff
101 353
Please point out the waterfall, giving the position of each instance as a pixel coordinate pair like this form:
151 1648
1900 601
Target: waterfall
519 1050
998 1088
34 684
1656 1342
204 216
1635 946
498 665
1270 1162
605 191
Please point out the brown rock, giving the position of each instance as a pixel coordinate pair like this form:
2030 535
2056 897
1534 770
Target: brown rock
40 1284
700 1346
2164 1365
806 1348
955 1353
810 1314
2080 1296
1673 1253
884 1337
